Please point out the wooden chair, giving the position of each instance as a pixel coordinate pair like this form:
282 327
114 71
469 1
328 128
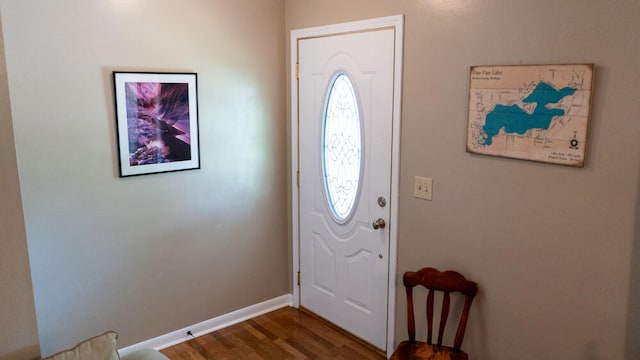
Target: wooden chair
435 280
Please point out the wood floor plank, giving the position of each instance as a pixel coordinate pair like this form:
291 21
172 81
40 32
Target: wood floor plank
262 329
283 334
290 349
213 348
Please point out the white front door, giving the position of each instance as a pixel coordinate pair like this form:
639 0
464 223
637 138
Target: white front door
346 116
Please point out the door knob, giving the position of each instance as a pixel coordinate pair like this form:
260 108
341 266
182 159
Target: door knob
379 223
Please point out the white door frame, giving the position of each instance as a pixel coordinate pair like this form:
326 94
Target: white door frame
396 23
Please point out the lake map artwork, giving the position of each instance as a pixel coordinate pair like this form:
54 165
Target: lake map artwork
530 112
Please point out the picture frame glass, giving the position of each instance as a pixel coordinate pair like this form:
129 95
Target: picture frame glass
157 122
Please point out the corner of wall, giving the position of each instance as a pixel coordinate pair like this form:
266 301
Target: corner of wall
19 337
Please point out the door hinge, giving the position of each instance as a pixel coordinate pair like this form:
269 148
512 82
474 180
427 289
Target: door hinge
298 179
297 70
298 278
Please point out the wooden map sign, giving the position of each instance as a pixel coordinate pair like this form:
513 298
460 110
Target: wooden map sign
530 112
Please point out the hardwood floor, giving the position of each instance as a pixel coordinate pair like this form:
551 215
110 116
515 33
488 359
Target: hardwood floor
286 333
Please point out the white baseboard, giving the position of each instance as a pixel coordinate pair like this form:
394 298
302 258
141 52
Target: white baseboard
207 326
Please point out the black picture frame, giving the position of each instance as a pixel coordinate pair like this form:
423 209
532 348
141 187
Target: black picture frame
156 122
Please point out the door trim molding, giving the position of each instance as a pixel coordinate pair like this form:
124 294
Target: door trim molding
397 23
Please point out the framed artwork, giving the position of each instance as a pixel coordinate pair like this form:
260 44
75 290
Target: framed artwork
157 122
531 112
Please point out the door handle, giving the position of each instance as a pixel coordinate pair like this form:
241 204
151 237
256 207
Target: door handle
379 223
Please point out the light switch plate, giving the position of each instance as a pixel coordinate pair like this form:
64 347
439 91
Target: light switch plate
423 187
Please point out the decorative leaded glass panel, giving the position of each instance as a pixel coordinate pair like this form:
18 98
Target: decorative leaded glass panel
341 148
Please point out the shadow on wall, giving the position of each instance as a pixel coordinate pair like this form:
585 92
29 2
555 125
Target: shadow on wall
632 341
19 339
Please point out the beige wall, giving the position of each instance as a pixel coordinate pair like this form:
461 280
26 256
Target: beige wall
550 246
554 249
150 254
18 329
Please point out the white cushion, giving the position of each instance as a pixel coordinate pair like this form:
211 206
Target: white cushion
145 354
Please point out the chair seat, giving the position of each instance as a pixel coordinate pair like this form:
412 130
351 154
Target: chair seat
418 350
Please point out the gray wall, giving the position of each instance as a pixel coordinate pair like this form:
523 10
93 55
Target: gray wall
151 254
18 329
633 318
550 246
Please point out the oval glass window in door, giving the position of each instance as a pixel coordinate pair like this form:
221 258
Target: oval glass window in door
341 148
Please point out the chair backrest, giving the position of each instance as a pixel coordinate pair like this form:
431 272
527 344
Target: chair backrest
447 282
